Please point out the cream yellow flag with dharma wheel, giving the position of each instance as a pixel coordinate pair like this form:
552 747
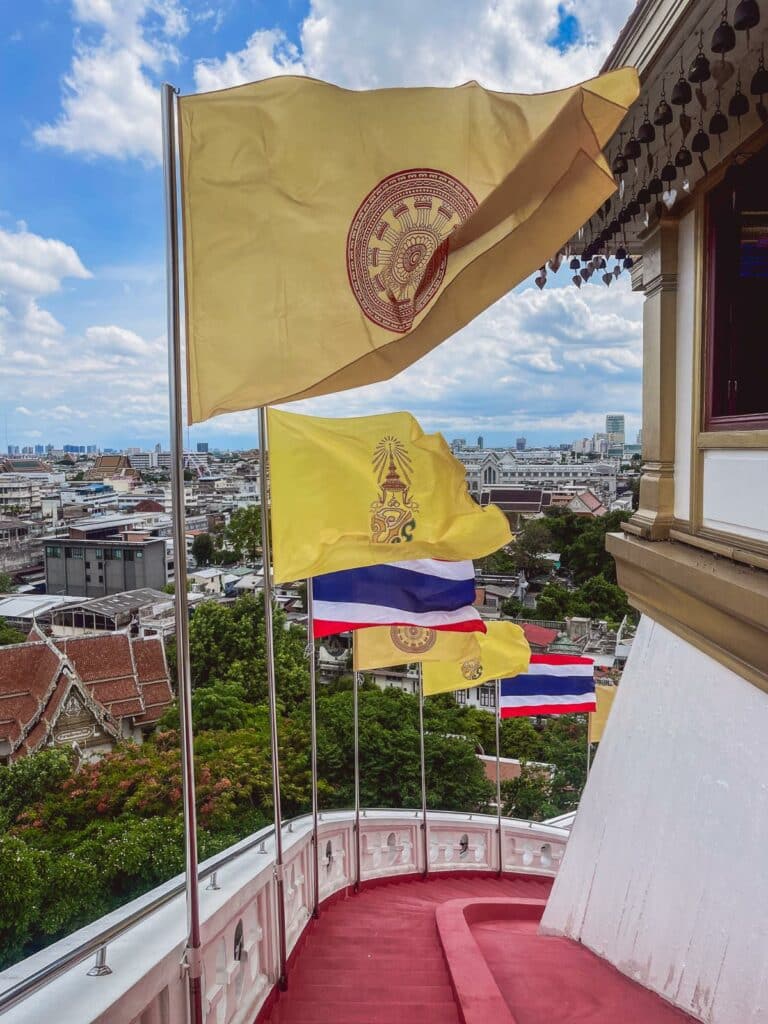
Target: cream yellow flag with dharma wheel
332 238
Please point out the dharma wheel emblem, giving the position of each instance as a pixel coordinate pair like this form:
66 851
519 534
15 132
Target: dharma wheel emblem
397 246
413 639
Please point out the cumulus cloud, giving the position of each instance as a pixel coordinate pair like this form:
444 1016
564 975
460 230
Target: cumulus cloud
110 102
504 44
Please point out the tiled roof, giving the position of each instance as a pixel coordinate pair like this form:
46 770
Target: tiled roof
539 636
34 683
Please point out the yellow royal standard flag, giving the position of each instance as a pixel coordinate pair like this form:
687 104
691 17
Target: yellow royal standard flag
598 719
368 490
381 646
504 651
332 238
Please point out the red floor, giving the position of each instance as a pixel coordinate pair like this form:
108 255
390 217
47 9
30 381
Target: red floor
376 958
544 979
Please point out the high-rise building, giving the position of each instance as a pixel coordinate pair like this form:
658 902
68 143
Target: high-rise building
614 428
480 442
521 444
640 438
202 447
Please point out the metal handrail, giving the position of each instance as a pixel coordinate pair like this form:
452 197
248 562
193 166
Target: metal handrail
24 988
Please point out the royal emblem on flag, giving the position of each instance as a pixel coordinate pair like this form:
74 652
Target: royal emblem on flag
392 520
397 246
413 639
471 669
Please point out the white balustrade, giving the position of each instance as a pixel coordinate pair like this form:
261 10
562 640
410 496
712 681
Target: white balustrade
145 984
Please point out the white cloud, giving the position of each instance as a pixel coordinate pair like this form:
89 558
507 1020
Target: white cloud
110 103
504 44
23 410
117 341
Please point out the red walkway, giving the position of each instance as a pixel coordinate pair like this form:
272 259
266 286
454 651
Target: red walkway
376 958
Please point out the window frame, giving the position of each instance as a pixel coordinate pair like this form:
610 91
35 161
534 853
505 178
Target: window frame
711 421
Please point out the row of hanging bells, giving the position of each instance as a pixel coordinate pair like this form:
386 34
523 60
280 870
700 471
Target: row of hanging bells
657 186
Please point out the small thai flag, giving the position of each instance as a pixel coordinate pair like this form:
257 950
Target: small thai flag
555 684
424 592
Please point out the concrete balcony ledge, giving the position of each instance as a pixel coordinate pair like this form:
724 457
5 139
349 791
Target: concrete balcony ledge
143 942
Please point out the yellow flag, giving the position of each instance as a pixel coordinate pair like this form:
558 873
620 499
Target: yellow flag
598 719
368 490
504 651
332 238
380 646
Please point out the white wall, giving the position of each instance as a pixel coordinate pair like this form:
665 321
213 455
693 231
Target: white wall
686 306
735 492
666 872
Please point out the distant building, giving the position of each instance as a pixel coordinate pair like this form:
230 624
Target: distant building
108 467
521 443
97 568
614 428
202 447
88 693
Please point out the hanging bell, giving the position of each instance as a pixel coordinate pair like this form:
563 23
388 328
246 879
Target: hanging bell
724 38
668 172
619 165
746 15
629 263
683 157
621 253
576 280
574 264
739 104
632 149
643 196
646 133
633 207
699 70
655 186
681 93
662 116
759 84
614 227
700 142
718 123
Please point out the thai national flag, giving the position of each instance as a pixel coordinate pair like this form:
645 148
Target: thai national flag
554 684
425 592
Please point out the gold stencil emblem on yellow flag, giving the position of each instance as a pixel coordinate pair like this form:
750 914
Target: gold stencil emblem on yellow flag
368 490
382 646
504 651
333 237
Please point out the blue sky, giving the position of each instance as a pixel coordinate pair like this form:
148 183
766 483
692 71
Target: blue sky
82 314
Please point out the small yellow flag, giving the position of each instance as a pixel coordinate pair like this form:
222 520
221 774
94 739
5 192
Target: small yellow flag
334 237
380 646
504 651
598 719
368 490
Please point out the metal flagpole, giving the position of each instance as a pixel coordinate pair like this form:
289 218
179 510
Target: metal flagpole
498 777
356 740
313 740
192 956
266 553
589 750
424 829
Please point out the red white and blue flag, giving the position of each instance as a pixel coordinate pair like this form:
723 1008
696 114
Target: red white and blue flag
555 684
425 592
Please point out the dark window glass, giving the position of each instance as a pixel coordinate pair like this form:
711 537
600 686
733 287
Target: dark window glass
738 298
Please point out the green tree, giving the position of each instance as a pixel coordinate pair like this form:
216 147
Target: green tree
242 534
10 635
6 583
554 602
513 607
529 796
531 543
595 599
203 549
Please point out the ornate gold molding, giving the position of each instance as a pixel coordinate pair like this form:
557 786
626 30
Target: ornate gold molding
717 605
